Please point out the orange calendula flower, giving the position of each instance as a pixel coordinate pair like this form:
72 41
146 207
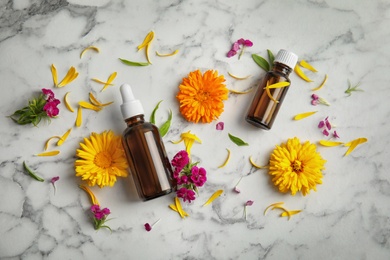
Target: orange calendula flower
201 96
296 167
101 159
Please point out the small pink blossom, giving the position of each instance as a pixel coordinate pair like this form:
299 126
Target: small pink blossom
236 189
220 126
186 194
318 100
231 53
49 95
180 160
198 176
149 227
249 203
53 181
236 46
335 135
51 108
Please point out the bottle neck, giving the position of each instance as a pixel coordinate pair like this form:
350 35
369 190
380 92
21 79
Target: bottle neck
135 120
282 68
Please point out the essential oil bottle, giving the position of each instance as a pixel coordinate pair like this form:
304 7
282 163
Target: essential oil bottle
145 152
264 109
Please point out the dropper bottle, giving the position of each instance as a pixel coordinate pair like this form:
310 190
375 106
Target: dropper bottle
267 102
145 152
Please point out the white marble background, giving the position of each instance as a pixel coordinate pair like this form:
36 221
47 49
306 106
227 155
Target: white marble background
347 218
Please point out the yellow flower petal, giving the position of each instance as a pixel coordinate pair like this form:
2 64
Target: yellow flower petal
289 213
304 115
329 143
147 53
279 85
237 77
168 54
109 80
51 153
352 145
67 105
272 205
96 102
101 81
226 161
322 84
173 207
179 208
87 105
256 165
63 138
54 74
70 76
79 117
306 65
148 39
48 141
301 74
188 135
240 92
213 197
269 93
92 196
89 48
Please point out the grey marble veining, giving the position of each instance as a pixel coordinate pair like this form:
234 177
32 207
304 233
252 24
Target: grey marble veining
348 217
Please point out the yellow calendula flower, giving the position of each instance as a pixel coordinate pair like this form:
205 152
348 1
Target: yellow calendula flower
101 159
201 96
296 167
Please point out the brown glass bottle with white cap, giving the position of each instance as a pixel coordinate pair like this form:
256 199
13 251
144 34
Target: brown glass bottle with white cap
144 148
267 102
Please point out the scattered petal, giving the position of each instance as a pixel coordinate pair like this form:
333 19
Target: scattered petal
148 227
325 132
306 65
70 76
53 181
67 105
236 190
240 92
173 207
96 102
322 84
301 74
279 85
79 117
237 140
48 141
148 39
304 115
269 93
220 126
168 54
51 153
256 165
249 203
109 80
290 213
134 63
31 173
353 144
178 207
92 196
147 53
63 138
272 205
213 197
87 105
54 74
239 78
329 143
335 135
94 48
226 161
100 81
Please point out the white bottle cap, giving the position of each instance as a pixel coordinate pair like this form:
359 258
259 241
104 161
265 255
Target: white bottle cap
287 58
131 106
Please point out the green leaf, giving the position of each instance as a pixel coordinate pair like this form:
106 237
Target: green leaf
165 127
134 63
152 116
271 57
31 173
237 140
263 63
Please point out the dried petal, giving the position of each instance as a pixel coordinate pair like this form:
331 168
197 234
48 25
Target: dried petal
100 81
290 213
89 48
256 165
92 196
301 74
353 144
322 84
249 203
68 106
239 78
63 138
279 85
168 54
306 65
213 197
147 53
51 153
173 207
96 102
226 161
79 117
220 126
304 115
109 80
148 227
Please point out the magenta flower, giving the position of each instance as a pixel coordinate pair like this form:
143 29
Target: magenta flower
247 204
236 46
180 160
220 126
48 94
51 108
100 216
246 43
318 100
236 189
186 194
198 176
53 181
149 227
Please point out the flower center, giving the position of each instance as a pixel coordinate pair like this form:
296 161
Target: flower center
103 159
297 166
202 96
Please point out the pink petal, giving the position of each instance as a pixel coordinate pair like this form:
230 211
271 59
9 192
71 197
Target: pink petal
236 190
249 203
335 135
148 227
220 126
231 53
314 102
315 97
321 124
325 132
241 41
328 124
235 46
248 43
54 179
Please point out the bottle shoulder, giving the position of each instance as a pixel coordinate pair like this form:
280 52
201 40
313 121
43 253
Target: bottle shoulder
140 127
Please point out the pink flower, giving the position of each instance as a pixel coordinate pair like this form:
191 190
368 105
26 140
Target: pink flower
51 108
246 43
54 179
180 160
148 227
231 53
236 46
220 126
49 95
198 176
335 135
249 203
182 180
186 194
318 100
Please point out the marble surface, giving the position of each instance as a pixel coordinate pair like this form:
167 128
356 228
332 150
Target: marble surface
348 217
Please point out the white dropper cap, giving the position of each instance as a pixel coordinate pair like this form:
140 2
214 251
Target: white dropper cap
131 106
288 58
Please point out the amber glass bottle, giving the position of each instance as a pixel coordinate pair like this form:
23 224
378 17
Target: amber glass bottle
263 110
148 161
